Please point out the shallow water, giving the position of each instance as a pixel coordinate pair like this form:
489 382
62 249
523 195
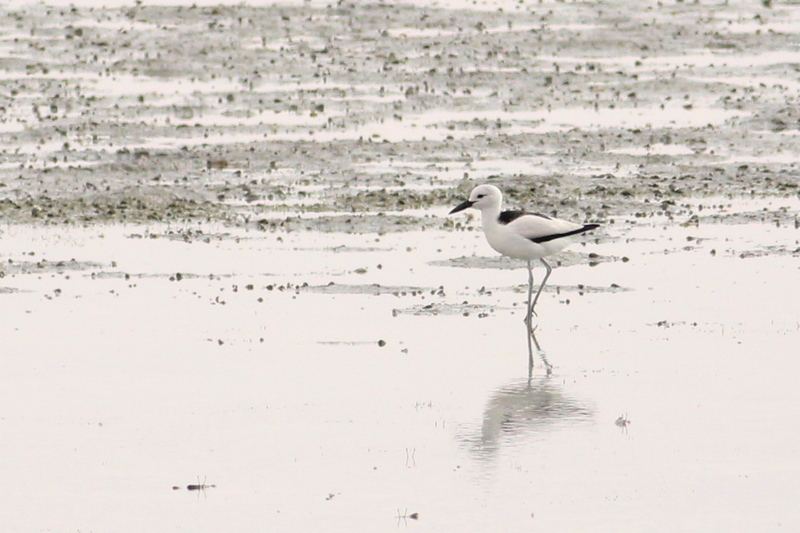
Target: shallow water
348 370
124 379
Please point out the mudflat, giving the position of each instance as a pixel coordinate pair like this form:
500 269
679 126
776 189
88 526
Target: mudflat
231 298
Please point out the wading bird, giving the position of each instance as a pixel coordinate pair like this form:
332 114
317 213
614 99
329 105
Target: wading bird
521 235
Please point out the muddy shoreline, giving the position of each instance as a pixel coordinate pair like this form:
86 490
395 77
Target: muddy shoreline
357 117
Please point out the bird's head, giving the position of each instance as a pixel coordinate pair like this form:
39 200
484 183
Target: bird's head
481 197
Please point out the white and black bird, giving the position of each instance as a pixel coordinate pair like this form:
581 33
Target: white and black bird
520 234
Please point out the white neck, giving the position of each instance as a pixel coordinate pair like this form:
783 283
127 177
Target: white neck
489 216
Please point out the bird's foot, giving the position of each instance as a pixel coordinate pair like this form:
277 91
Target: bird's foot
529 318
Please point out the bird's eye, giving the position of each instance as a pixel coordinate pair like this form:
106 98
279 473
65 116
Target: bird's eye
480 196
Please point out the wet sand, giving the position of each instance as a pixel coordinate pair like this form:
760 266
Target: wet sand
227 261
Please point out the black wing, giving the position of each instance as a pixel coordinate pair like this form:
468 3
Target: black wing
509 216
546 238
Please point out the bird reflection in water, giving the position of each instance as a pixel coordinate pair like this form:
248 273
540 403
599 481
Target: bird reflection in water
541 353
524 408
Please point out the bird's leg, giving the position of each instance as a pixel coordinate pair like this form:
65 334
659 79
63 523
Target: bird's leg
528 317
541 287
530 357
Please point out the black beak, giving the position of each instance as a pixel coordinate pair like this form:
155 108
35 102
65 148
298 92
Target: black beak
461 207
